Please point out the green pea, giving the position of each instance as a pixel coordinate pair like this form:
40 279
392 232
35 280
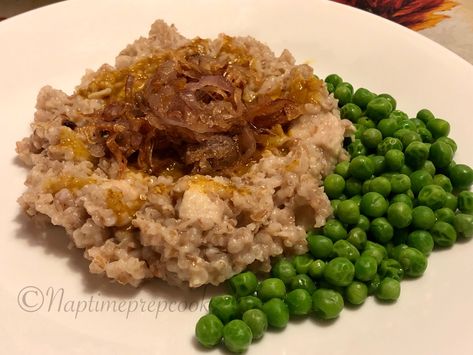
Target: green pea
237 336
316 269
299 302
422 241
381 230
375 250
248 302
356 148
335 204
418 123
402 198
343 94
425 115
441 154
406 170
387 127
450 142
224 307
429 167
443 181
396 251
320 246
351 112
419 179
276 312
371 137
446 170
339 271
326 303
356 293
352 187
363 223
366 268
342 169
330 87
209 330
432 196
423 217
301 263
409 124
357 237
391 100
445 215
416 154
348 212
399 215
461 176
465 202
244 283
345 249
350 86
438 127
378 108
334 185
334 230
302 281
463 224
373 284
390 246
412 261
365 187
361 167
283 269
425 135
271 288
367 123
373 204
357 200
388 290
334 79
378 163
362 97
388 175
381 185
451 201
389 143
257 321
391 268
407 136
394 159
359 129
400 183
444 234
399 116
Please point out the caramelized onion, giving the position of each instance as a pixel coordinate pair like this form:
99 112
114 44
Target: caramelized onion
191 111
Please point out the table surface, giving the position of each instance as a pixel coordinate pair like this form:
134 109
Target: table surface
448 22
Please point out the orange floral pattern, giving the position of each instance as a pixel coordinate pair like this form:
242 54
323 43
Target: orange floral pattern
415 14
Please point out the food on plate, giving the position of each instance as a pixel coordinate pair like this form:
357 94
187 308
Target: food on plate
399 196
189 160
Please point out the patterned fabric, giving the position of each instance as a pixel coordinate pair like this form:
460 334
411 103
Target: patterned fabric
415 14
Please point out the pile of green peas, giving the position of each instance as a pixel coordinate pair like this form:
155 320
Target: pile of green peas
398 197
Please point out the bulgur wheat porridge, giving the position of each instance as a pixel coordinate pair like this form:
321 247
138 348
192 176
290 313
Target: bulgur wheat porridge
189 160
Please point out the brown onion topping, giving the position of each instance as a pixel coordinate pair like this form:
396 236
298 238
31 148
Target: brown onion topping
190 114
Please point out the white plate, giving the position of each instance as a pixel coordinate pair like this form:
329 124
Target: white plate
54 45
